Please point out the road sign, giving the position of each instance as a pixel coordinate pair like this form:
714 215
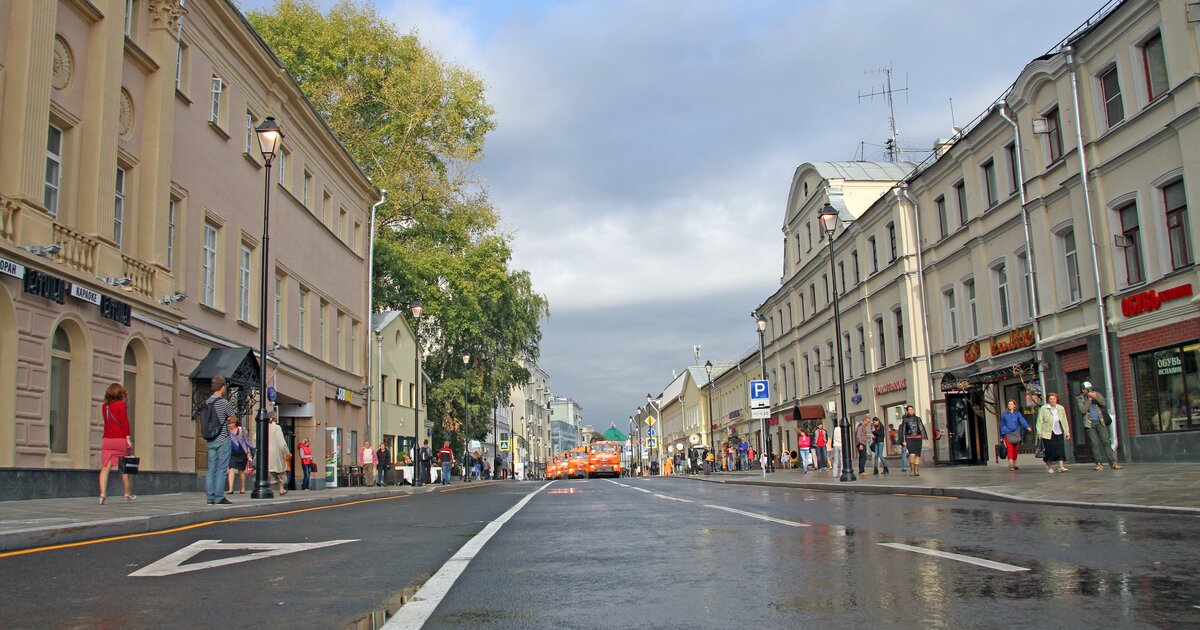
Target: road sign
174 563
651 442
504 445
761 413
650 432
650 421
760 394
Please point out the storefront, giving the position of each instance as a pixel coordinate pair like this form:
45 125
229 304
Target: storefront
891 398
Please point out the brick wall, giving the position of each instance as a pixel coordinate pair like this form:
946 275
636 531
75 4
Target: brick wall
1179 332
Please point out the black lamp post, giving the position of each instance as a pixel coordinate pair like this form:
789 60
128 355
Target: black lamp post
269 137
658 438
712 440
829 223
418 475
761 323
466 416
512 440
632 447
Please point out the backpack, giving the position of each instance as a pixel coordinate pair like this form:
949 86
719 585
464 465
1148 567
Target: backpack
425 454
210 424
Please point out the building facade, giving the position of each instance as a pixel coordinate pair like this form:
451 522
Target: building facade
399 415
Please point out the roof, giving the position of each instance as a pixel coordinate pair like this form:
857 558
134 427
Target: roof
613 434
863 171
701 377
379 321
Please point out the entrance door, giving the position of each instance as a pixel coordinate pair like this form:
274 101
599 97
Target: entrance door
964 427
1080 446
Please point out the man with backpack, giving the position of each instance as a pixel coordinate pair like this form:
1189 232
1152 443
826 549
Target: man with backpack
446 459
214 428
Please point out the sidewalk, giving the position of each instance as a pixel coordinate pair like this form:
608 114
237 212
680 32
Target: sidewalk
1160 488
42 522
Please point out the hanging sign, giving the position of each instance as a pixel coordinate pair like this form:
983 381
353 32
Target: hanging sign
11 268
85 294
45 285
115 310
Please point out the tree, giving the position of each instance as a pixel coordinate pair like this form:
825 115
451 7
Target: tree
416 125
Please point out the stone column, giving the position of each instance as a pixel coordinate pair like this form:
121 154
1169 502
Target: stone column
157 127
97 163
24 110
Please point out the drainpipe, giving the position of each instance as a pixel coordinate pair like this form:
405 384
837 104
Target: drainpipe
1006 113
371 384
902 191
1087 211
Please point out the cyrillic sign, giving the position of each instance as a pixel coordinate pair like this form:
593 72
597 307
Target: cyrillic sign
11 268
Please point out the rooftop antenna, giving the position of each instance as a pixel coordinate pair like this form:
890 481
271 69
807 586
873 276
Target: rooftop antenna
696 353
953 123
890 146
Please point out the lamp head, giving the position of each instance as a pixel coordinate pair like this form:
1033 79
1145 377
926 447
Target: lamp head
466 358
762 324
269 137
417 308
829 219
708 368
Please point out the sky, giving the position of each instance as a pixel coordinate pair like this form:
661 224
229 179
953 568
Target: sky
644 149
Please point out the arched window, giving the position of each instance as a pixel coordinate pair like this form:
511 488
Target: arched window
129 380
137 376
59 395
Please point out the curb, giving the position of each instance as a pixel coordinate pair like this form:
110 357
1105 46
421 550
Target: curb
978 494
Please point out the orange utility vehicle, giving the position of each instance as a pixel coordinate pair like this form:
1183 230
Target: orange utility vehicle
604 458
556 467
577 463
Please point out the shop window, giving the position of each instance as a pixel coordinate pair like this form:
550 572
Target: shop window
1167 382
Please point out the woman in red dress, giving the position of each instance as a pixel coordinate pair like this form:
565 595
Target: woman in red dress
116 442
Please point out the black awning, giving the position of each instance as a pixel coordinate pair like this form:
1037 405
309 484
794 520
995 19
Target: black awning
241 370
979 375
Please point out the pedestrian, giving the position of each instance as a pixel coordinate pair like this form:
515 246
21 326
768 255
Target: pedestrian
306 463
1011 422
383 463
116 441
668 466
803 444
785 459
1053 429
498 467
425 461
820 442
862 437
709 460
912 430
218 447
750 453
477 466
446 459
241 455
743 450
366 459
836 445
878 439
1098 425
279 458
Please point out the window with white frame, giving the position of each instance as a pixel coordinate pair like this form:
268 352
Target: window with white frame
172 206
302 320
943 220
1175 202
990 189
321 336
1000 275
892 249
245 256
249 140
951 329
119 207
129 15
898 316
972 308
883 357
1154 64
306 192
1026 287
1110 92
874 254
1014 177
54 151
1054 139
180 60
352 348
277 312
1071 264
208 271
281 161
1131 243
214 107
960 195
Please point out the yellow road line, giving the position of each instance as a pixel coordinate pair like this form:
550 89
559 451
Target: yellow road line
468 486
84 543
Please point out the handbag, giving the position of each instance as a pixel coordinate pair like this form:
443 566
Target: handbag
1039 451
1001 452
130 464
1014 437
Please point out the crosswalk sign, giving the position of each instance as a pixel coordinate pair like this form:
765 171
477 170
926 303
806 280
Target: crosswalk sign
504 445
651 442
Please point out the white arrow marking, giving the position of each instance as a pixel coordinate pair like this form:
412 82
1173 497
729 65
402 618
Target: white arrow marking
173 563
763 517
991 564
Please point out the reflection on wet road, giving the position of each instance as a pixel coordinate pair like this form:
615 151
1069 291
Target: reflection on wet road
677 553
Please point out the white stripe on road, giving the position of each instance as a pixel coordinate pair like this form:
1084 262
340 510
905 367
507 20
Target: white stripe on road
663 496
642 490
758 516
990 564
416 612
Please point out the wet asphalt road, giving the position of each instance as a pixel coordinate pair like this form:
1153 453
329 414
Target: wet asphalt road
667 553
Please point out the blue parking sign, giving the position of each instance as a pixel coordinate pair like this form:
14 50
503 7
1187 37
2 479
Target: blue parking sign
760 394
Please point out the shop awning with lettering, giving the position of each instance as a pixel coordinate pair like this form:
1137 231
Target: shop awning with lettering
976 375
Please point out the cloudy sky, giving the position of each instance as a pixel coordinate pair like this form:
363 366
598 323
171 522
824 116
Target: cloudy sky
645 148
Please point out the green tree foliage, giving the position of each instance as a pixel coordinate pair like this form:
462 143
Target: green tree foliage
416 125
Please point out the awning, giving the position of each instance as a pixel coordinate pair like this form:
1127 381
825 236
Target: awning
811 412
977 375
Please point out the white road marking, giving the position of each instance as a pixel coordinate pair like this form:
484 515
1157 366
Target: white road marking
173 563
990 564
642 490
416 612
758 516
663 496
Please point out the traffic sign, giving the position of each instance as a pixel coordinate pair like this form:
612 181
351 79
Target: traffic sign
651 442
761 413
504 445
650 421
760 394
650 432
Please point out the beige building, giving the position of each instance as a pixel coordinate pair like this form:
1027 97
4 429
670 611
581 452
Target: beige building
131 177
399 415
731 401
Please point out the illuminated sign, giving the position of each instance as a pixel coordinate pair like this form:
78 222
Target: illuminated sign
1148 301
893 386
1015 339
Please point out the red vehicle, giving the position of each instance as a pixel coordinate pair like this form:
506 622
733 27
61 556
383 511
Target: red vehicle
577 463
604 458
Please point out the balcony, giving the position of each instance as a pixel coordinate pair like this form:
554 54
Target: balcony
9 212
79 252
141 275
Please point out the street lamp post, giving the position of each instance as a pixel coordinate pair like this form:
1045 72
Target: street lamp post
466 416
761 323
633 445
269 137
512 442
829 222
712 440
418 474
659 438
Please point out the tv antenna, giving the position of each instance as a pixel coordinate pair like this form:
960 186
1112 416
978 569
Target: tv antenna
890 146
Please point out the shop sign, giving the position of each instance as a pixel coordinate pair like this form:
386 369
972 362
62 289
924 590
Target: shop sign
11 268
85 294
893 386
115 310
1152 300
736 413
971 352
1015 339
45 285
342 394
1170 365
857 398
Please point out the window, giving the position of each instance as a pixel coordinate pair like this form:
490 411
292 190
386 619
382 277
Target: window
129 12
1110 91
1054 134
789 315
1166 384
281 160
801 296
321 338
960 195
340 229
842 275
244 258
352 349
1000 272
306 192
214 108
302 319
1026 286
797 249
180 57
972 309
249 142
54 142
412 395
874 254
1071 262
171 206
1014 176
208 274
829 361
1174 198
808 388
129 379
357 236
883 358
891 231
326 202
943 220
951 317
808 235
277 315
848 355
783 394
991 191
817 366
1132 246
862 349
825 284
1154 62
119 207
812 296
898 315
338 359
59 395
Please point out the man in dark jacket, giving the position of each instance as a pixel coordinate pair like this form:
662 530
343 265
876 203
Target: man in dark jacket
1096 421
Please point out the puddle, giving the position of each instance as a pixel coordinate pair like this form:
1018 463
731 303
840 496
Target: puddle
376 618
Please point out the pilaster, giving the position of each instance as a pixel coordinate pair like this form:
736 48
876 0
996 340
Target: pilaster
157 121
24 113
97 162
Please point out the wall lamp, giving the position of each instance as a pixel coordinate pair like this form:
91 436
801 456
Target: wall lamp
125 282
168 300
45 251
